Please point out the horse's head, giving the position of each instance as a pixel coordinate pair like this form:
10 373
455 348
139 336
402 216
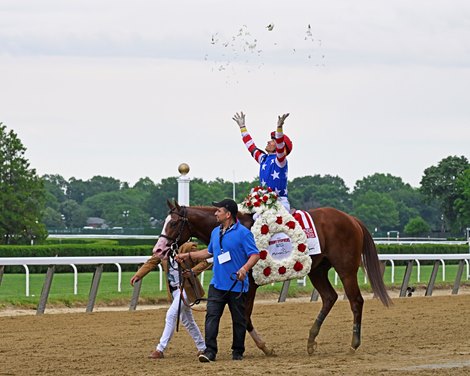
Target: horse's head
176 230
183 222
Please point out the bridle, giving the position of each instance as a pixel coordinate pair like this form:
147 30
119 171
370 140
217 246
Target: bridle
174 250
184 222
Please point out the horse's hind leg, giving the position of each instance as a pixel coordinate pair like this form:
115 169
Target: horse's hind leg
356 301
319 278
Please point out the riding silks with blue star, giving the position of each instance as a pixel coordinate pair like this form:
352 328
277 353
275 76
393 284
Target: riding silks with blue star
191 284
272 175
230 249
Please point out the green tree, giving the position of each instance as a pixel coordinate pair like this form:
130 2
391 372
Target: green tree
377 211
204 193
417 226
79 190
243 188
21 193
99 184
409 201
317 191
462 204
381 183
53 219
125 208
145 185
167 189
73 213
56 185
440 183
56 188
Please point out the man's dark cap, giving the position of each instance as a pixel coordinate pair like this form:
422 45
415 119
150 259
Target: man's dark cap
228 204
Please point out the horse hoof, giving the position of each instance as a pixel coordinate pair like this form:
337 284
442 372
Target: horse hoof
352 350
268 352
311 347
271 353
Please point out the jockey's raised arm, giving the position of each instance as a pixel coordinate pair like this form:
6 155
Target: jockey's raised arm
272 162
281 152
255 152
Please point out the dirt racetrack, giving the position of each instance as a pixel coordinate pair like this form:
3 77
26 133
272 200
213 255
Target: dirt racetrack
416 336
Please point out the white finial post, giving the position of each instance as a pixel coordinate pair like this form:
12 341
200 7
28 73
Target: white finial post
183 184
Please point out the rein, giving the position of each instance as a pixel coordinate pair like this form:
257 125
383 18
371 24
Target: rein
234 279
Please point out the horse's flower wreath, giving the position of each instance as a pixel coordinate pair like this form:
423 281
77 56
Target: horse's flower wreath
260 199
273 219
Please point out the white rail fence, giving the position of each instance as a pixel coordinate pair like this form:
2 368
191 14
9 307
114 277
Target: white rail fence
51 262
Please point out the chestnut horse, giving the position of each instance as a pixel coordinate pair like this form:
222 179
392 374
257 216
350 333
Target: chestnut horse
345 245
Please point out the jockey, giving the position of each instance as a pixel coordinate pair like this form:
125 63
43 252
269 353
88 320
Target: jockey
273 162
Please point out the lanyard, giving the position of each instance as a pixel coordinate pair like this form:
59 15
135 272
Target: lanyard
221 235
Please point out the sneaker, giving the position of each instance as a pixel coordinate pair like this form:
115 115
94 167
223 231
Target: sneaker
206 357
156 355
237 357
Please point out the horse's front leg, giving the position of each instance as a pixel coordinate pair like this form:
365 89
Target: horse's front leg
250 300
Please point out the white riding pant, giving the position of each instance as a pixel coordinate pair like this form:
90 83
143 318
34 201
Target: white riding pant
285 202
187 319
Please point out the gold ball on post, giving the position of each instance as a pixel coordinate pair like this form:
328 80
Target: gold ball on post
183 168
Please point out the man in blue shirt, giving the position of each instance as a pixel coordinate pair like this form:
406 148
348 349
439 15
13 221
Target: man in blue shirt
234 251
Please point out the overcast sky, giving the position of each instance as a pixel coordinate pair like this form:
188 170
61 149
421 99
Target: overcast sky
131 89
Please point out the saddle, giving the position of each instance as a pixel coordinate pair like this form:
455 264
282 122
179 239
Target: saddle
306 222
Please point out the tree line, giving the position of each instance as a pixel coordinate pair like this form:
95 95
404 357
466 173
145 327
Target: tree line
32 204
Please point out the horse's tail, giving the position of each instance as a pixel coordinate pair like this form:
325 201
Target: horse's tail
372 266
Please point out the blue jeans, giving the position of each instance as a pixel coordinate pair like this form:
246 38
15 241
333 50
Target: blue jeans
217 299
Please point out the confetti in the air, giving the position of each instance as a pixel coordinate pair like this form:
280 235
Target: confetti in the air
248 51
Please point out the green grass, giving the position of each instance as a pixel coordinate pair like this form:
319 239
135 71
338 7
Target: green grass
12 289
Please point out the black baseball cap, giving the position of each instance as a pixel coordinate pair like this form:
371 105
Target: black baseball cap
228 204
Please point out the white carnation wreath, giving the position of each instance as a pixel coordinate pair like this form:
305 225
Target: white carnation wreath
274 218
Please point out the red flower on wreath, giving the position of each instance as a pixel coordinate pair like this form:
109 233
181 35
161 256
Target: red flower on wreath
257 203
282 270
256 196
279 220
264 229
291 224
256 189
298 266
301 247
265 198
263 254
267 271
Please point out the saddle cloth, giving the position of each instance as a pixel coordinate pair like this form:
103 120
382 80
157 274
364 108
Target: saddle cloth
306 222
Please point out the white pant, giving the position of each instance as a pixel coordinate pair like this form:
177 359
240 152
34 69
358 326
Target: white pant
187 319
285 202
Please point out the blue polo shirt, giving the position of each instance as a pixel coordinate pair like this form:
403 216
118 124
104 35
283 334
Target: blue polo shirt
239 241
